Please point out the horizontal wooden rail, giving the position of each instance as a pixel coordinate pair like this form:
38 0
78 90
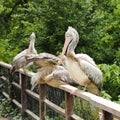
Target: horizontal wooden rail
8 66
34 116
16 85
55 107
13 100
32 94
97 101
29 92
5 65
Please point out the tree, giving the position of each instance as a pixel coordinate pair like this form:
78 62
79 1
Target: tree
96 21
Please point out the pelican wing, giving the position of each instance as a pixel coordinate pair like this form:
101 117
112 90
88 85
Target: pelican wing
90 69
61 74
45 59
20 55
86 58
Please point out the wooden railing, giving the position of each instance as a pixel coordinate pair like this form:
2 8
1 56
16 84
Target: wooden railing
109 110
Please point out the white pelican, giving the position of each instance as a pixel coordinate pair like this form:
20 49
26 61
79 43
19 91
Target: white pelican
49 71
20 60
81 67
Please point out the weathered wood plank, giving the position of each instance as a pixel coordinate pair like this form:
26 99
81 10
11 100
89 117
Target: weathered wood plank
75 117
42 108
27 73
16 85
108 116
5 94
5 65
60 110
23 96
54 107
106 105
29 92
32 94
75 91
8 66
97 101
13 100
17 103
34 116
68 106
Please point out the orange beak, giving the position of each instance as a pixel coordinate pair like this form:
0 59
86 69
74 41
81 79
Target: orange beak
66 43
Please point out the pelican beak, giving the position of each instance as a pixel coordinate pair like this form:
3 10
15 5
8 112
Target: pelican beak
66 43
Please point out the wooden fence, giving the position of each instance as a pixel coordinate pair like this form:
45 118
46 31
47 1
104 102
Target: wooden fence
109 110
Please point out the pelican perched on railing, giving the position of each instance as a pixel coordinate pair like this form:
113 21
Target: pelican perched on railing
49 71
20 60
81 67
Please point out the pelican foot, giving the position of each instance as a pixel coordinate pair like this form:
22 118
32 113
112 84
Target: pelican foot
101 115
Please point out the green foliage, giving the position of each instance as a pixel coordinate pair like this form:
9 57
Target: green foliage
96 21
118 100
105 95
6 107
111 81
7 110
117 57
85 110
59 117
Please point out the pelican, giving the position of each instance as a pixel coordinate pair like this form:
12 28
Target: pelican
49 71
81 67
20 60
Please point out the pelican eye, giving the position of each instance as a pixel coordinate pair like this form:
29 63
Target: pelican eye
70 37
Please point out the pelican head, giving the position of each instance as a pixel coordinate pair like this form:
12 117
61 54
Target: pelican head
71 33
31 52
32 36
71 40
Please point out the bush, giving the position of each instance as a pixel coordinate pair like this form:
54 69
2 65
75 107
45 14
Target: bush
7 110
111 81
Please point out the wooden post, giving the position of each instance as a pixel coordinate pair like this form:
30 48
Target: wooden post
69 103
23 96
107 116
11 86
42 107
